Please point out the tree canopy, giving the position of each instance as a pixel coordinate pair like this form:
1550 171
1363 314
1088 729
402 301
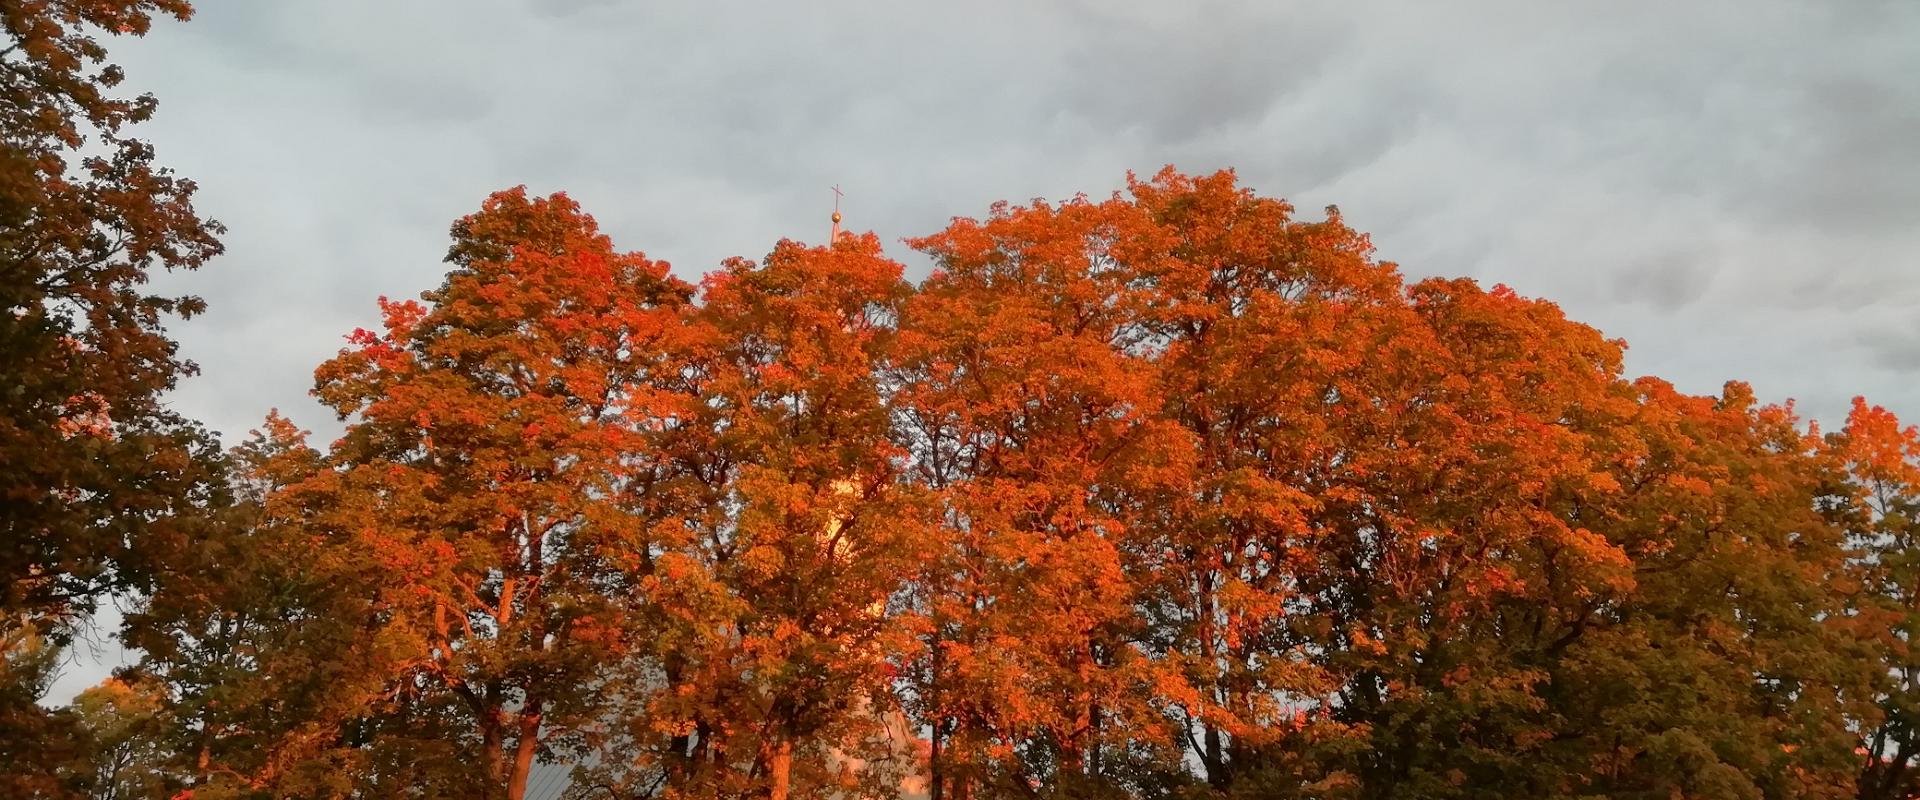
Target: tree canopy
1173 495
1166 495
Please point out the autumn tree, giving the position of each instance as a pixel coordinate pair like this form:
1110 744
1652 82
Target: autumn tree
480 477
1881 456
93 461
1517 552
776 598
129 759
47 751
1263 326
1378 541
1435 523
86 219
1727 670
1030 402
264 639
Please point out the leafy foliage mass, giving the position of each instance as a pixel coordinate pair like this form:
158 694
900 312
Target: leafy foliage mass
1169 495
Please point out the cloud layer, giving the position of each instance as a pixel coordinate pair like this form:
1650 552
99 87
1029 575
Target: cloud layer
1732 187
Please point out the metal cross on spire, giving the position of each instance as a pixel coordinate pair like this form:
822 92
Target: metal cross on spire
837 194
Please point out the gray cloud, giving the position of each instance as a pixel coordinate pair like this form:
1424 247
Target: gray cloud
1231 69
1894 347
1706 162
1853 167
1670 280
566 8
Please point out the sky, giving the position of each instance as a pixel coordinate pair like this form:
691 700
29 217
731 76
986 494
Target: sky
1731 187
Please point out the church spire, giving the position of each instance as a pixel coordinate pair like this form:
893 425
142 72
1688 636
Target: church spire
837 194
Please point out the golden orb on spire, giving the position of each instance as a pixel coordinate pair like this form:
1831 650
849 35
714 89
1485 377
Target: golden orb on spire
837 233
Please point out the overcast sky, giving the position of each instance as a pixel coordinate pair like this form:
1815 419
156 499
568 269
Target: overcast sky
1732 187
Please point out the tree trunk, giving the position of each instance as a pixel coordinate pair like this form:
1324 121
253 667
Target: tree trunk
203 762
529 741
1211 759
491 744
679 759
936 786
779 771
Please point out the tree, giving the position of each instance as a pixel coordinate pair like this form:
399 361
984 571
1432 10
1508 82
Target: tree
480 477
1030 402
1354 538
1268 330
1723 672
263 637
1880 456
94 463
86 218
777 595
126 725
46 750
